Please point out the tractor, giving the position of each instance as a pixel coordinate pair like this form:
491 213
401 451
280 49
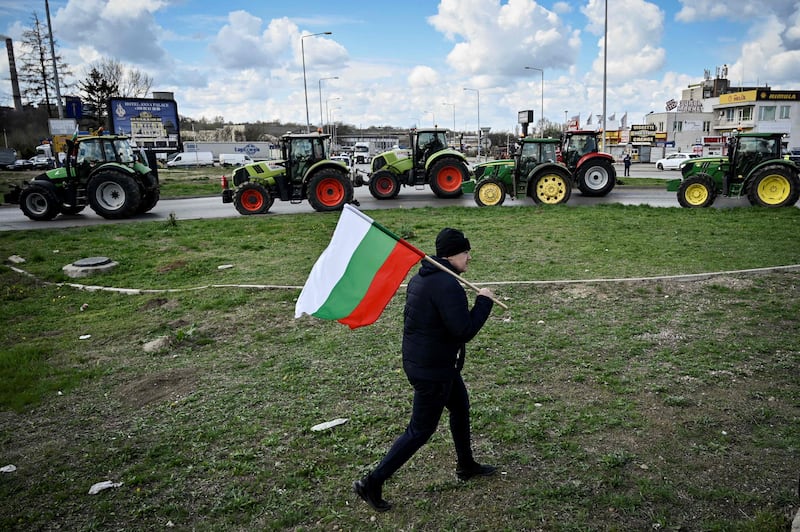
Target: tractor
753 167
305 172
593 171
430 162
103 172
533 172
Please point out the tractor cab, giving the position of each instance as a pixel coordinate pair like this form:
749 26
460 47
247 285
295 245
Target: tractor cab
86 154
425 143
576 146
746 152
532 154
301 152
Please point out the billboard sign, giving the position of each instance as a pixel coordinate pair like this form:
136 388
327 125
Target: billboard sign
150 123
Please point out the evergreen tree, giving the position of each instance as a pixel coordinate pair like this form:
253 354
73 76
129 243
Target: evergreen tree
96 90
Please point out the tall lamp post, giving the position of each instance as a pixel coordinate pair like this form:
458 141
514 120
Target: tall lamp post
328 114
321 121
454 120
305 85
541 113
479 119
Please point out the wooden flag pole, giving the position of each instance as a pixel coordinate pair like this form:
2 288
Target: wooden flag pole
454 274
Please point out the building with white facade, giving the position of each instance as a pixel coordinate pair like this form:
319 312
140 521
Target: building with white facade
710 111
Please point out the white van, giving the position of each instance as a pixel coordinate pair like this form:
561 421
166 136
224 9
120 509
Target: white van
192 158
234 159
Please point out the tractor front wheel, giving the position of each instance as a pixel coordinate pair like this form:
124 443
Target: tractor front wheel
329 190
446 177
252 198
551 189
596 177
39 203
113 195
489 193
696 192
774 186
383 185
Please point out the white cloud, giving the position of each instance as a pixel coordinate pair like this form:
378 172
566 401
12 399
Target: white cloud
126 31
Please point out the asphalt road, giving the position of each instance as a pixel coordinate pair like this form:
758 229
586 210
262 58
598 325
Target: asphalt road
12 219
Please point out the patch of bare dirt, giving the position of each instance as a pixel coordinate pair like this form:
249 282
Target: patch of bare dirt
168 385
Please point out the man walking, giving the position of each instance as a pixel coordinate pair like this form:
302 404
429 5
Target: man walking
437 325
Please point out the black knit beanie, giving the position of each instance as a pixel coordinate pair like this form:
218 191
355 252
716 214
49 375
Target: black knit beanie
451 242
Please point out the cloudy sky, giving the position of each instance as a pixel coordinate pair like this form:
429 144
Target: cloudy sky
406 63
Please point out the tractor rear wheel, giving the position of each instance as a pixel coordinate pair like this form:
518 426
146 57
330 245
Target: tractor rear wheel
39 203
446 177
596 177
329 190
383 185
774 186
113 195
696 192
551 188
252 198
489 193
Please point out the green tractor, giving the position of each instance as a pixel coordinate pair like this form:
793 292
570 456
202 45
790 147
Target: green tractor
103 172
533 172
430 162
593 171
753 168
305 172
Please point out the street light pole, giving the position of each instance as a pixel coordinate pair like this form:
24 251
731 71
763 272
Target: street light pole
454 120
478 93
328 114
321 122
305 84
541 114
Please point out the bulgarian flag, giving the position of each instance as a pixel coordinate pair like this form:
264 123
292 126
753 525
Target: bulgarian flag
358 273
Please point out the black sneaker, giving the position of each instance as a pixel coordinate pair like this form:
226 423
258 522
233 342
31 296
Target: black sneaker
475 470
370 494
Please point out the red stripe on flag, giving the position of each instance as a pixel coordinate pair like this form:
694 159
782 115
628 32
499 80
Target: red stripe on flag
384 285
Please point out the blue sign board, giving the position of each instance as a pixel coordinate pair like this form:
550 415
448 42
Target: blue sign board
150 123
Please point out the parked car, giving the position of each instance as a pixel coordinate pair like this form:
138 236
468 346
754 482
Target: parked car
674 160
42 162
342 158
23 164
793 154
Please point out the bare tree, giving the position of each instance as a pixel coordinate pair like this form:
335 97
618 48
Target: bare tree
37 74
130 82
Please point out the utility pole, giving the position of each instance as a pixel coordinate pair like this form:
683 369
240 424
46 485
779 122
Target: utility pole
55 63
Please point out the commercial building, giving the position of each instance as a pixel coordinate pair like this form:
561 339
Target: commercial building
710 111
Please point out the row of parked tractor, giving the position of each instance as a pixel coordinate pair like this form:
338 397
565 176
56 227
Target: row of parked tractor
543 169
116 181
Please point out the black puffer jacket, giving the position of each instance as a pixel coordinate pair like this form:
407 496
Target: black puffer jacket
438 324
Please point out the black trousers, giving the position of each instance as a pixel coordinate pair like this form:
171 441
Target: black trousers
430 400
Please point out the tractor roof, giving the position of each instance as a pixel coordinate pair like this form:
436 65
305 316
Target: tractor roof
539 140
305 135
760 135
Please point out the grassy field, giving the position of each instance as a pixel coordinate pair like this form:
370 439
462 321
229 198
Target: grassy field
656 403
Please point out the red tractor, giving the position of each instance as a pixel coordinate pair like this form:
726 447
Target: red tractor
593 171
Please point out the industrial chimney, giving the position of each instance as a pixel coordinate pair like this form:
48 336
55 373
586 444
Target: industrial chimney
12 68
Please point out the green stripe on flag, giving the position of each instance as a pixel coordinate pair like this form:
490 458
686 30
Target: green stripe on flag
368 257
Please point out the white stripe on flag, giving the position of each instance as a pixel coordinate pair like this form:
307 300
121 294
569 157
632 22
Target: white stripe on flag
331 265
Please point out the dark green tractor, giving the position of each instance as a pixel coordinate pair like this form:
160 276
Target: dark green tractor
753 168
304 173
533 172
430 162
103 172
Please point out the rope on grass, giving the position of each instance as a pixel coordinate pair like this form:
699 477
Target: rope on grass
679 277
